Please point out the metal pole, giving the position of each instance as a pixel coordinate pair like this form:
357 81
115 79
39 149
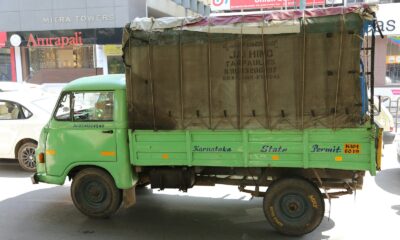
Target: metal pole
209 81
239 86
303 72
372 68
267 117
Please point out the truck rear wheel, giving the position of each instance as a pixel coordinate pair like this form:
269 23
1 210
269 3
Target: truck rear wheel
294 206
94 193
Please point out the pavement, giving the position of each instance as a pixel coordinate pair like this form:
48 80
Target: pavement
29 212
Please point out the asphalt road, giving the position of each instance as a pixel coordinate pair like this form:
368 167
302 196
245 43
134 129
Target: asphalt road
46 212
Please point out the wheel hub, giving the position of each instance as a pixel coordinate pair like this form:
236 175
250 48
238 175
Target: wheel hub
293 206
95 193
28 157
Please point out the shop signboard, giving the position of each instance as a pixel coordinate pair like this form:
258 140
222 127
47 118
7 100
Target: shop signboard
3 38
113 50
64 38
389 18
60 41
220 5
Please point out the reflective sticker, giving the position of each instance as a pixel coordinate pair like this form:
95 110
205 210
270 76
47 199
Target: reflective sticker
51 152
273 215
339 158
275 157
352 148
108 154
313 200
165 156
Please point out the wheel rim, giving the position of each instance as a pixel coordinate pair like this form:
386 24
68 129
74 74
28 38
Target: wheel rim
94 194
28 157
293 206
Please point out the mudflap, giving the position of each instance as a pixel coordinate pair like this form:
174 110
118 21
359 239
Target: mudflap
379 146
129 197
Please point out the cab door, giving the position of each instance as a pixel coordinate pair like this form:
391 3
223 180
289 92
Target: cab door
82 131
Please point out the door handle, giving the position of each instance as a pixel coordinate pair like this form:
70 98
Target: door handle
107 131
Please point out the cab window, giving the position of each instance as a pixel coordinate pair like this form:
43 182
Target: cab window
86 106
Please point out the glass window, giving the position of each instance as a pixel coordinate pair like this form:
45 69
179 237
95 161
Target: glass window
63 108
13 111
67 57
56 64
5 65
4 112
26 113
393 60
87 106
93 106
115 64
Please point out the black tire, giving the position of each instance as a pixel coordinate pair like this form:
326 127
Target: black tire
94 193
26 156
294 206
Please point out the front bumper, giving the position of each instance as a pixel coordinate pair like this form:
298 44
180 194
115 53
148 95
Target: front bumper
42 177
34 178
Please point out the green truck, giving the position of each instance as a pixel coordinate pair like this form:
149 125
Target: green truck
276 100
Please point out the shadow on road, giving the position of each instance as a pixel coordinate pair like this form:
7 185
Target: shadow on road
389 180
50 214
396 208
9 168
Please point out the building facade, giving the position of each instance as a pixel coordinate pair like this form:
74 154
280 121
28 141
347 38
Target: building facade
56 41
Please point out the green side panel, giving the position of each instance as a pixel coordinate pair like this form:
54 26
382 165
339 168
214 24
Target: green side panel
348 149
332 24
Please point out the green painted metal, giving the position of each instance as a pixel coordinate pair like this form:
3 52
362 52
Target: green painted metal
70 144
348 149
97 83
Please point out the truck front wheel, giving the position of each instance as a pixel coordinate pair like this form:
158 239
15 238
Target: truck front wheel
294 206
94 193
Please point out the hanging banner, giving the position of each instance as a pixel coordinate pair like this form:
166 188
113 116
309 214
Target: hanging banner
220 5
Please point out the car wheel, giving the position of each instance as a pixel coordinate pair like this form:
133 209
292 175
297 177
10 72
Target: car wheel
26 156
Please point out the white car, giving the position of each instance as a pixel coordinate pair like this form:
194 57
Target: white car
22 117
384 120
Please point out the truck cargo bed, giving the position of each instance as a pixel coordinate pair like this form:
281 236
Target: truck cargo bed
346 149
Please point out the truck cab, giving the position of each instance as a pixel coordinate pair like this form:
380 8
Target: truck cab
87 124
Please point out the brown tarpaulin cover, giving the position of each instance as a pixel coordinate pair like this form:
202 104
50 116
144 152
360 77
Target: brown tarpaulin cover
179 78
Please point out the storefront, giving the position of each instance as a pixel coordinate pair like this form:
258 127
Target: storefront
58 41
393 60
387 58
7 60
63 55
